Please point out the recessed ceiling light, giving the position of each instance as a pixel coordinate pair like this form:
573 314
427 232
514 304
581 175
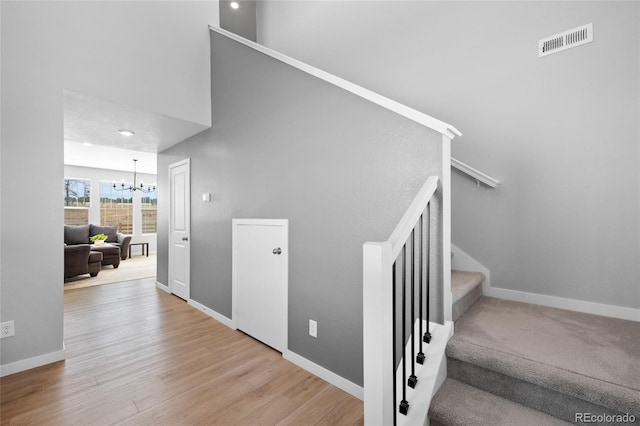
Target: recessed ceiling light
87 144
234 5
125 132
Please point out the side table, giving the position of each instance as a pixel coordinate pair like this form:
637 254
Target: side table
145 248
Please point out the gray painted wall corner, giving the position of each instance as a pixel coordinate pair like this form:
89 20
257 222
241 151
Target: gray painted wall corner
560 132
286 145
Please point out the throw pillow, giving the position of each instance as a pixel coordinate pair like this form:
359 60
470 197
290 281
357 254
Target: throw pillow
76 234
110 231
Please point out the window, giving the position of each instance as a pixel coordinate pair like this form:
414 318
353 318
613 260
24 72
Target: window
77 197
116 207
149 205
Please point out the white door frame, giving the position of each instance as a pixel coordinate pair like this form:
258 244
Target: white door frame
285 273
186 161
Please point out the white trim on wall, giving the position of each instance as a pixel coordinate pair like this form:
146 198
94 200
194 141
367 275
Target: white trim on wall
29 363
162 287
462 261
593 308
213 314
202 308
410 113
313 368
326 375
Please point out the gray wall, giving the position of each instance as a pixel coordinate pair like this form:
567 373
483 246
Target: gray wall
286 145
50 46
241 21
561 132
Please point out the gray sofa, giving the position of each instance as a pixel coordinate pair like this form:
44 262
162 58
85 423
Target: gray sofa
79 260
81 234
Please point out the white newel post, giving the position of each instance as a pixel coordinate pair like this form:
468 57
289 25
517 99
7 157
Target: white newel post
377 334
447 298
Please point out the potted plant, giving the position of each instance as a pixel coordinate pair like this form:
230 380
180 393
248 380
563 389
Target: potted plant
98 239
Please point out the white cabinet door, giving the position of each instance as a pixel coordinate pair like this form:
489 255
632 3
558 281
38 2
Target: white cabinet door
260 270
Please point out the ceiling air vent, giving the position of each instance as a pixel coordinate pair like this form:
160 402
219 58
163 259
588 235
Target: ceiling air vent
566 40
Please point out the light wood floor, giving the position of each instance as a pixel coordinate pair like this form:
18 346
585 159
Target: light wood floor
139 356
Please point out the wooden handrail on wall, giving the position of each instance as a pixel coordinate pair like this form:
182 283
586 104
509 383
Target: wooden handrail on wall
474 173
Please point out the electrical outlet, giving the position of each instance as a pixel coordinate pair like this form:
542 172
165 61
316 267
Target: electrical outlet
6 329
313 328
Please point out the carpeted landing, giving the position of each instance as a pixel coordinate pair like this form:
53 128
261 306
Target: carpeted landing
515 360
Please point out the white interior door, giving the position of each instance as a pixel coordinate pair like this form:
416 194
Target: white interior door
179 229
260 274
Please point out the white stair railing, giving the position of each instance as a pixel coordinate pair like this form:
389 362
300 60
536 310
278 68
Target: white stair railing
385 263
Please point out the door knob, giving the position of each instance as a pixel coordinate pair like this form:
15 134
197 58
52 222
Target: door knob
277 250
185 239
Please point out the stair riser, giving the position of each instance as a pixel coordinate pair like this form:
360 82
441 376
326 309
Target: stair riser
465 302
528 394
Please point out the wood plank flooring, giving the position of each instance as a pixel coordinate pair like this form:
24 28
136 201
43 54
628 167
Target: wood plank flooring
139 356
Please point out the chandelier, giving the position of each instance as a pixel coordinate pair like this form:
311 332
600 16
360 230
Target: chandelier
135 186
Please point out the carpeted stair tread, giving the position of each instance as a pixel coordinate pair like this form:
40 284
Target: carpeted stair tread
458 404
462 282
587 357
466 288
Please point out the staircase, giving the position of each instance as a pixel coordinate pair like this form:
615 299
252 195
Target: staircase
512 363
466 288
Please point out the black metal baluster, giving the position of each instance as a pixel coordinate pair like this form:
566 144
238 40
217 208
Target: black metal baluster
404 404
413 379
420 357
427 336
393 335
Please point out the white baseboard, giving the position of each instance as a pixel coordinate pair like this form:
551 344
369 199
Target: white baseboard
199 306
29 363
300 361
324 374
594 308
162 287
213 314
464 262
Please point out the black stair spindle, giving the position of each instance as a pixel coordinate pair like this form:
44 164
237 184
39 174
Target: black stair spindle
404 404
420 357
427 336
393 333
413 379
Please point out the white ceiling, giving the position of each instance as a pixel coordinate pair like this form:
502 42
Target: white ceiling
108 157
91 135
